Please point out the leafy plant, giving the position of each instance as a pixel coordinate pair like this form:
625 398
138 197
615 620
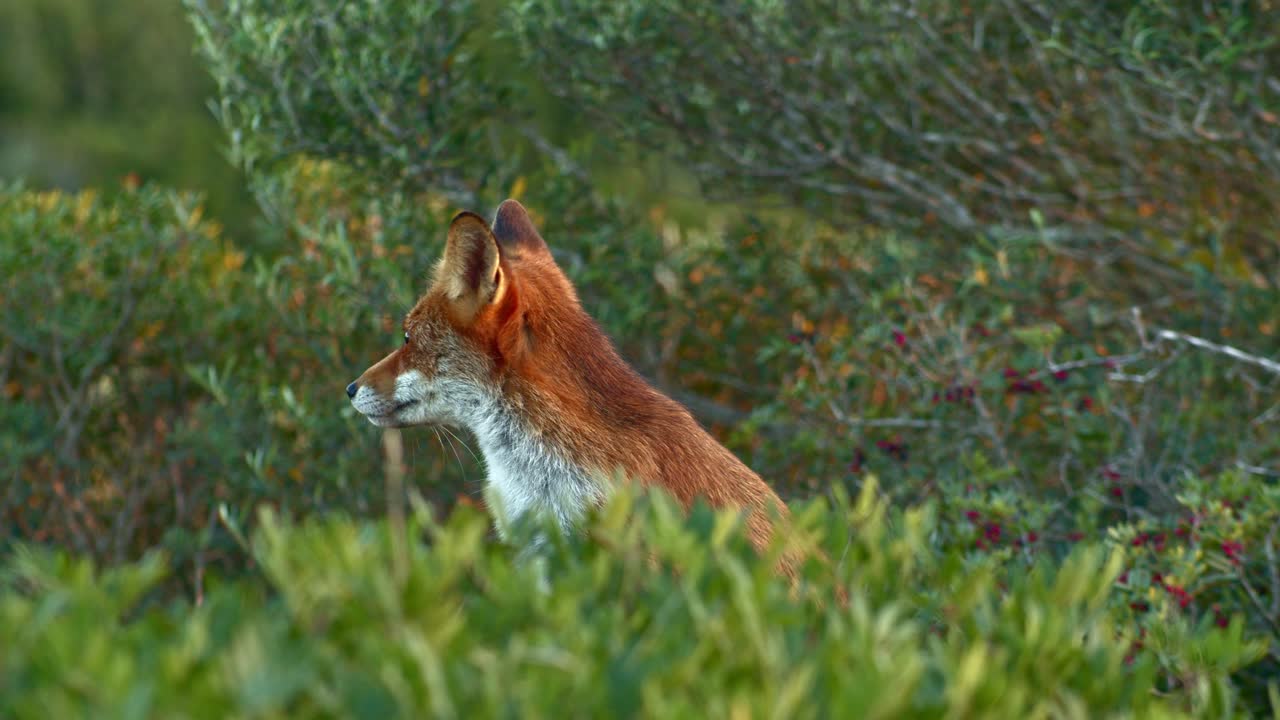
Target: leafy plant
645 614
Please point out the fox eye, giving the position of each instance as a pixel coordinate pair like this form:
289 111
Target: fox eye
406 338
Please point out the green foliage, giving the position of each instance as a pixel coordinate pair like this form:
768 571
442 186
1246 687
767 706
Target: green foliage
168 370
1014 259
648 615
412 93
100 298
1146 125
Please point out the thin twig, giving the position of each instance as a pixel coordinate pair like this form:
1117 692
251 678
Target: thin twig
393 448
1256 601
1256 469
1231 352
841 416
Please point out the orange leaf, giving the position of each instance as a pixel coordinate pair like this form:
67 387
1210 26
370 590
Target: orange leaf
879 393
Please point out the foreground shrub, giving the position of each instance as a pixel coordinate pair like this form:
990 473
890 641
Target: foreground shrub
649 615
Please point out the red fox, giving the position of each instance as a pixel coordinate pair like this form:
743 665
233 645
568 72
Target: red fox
500 345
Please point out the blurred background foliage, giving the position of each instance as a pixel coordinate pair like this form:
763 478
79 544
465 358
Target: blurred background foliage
1017 259
92 91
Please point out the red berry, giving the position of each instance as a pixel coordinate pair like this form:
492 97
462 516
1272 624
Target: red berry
992 532
1233 550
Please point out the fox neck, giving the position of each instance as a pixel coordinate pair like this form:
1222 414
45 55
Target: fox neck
526 471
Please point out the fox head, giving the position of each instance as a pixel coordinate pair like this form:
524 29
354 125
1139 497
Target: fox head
495 292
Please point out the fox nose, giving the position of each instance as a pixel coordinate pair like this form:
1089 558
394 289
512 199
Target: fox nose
352 389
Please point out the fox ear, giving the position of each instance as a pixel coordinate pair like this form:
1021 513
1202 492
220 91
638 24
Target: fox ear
514 230
470 271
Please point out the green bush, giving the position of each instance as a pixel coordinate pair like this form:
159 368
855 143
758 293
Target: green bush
102 299
155 368
1142 130
650 615
412 94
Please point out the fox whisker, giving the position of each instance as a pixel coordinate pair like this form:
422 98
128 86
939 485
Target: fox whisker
454 435
456 456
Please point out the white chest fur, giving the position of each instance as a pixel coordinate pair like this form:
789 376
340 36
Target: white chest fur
525 474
